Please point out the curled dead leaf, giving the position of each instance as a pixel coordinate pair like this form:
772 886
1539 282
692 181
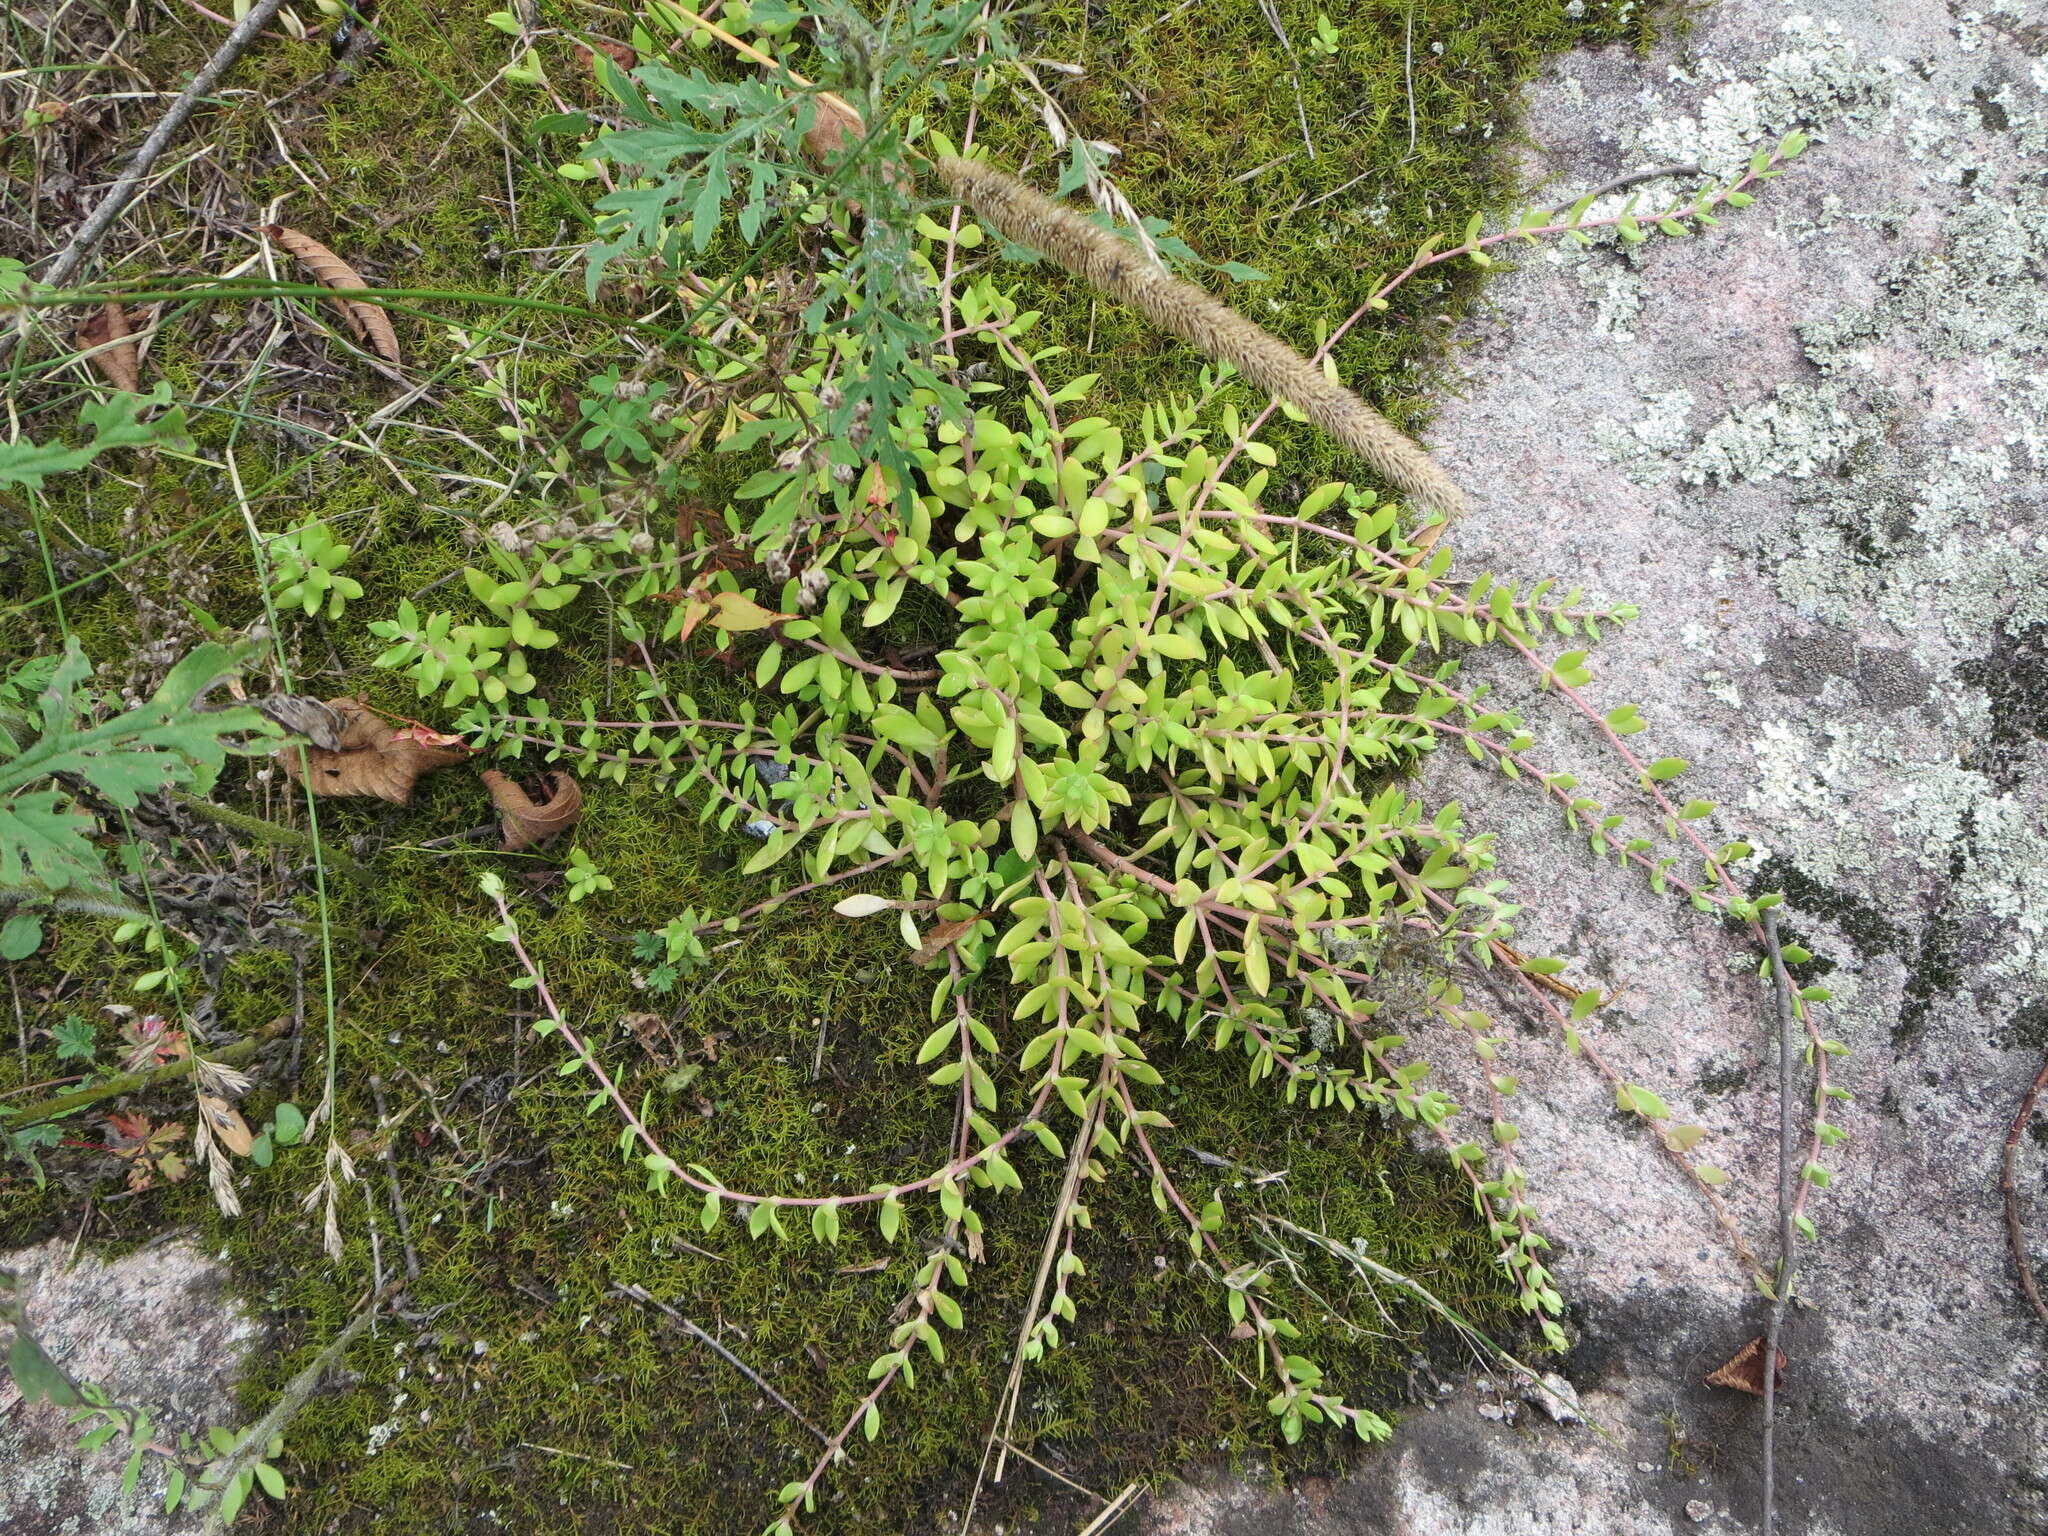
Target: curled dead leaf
942 937
372 757
227 1124
366 322
527 821
121 364
1745 1372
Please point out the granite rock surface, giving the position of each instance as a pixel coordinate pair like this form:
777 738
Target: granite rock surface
1811 446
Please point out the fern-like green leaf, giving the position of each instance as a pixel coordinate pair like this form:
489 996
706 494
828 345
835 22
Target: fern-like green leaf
115 423
44 838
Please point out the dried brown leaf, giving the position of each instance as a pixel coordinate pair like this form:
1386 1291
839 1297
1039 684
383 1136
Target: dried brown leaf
526 821
1745 1372
373 757
619 53
837 126
227 1124
366 322
122 365
942 938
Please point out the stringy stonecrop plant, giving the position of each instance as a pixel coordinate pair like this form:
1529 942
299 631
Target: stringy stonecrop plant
1115 727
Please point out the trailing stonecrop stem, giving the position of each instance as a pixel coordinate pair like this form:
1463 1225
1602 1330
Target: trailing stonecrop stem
1121 717
1192 711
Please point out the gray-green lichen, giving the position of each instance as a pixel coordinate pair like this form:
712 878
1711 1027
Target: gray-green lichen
1644 447
1799 431
1933 387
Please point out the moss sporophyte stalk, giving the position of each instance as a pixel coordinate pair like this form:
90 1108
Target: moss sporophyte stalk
999 857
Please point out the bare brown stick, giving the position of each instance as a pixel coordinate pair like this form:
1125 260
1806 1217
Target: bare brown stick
251 1444
1112 266
639 1294
2008 1181
412 1259
1787 1258
72 259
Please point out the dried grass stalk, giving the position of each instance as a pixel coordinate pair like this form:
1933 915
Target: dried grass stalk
1118 269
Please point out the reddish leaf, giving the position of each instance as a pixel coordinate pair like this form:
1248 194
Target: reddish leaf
837 126
942 938
618 53
526 821
1745 1372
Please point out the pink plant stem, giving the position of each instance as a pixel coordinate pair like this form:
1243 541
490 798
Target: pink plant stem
681 1174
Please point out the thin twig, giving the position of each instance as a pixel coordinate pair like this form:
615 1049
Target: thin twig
86 241
639 1294
556 1450
412 1259
1023 1455
1272 15
1114 1510
1004 1422
1787 1151
1408 72
2009 1182
251 1444
1656 173
824 1025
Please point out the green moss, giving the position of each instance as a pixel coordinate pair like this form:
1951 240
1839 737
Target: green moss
522 1213
1855 919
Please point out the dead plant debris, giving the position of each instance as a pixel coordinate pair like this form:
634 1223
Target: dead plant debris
526 821
317 722
372 756
1745 1372
368 323
121 364
227 1124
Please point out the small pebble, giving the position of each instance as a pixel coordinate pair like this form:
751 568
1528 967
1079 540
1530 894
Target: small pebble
1556 1397
1699 1511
